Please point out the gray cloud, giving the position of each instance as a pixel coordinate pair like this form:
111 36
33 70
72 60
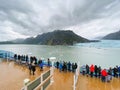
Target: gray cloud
30 17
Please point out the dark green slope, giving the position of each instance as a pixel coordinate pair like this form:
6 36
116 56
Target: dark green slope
113 36
58 37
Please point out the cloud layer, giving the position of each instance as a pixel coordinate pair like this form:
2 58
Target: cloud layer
24 18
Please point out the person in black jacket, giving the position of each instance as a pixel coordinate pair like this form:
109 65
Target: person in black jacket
87 70
96 70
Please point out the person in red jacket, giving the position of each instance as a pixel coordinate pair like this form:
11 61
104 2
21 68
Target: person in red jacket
92 69
104 74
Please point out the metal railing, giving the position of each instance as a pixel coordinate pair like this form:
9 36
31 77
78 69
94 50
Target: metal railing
41 82
75 77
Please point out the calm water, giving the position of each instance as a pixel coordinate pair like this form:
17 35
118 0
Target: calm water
105 53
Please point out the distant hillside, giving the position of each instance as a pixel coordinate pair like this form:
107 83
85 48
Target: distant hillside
113 36
58 37
7 42
18 40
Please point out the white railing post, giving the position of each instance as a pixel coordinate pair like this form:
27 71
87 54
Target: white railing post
40 86
78 70
76 75
52 72
42 81
74 86
25 87
52 68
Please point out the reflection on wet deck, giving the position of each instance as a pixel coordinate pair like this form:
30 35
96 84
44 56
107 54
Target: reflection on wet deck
64 81
88 83
12 76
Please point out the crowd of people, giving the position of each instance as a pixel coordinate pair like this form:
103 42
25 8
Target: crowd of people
92 71
31 62
66 66
105 74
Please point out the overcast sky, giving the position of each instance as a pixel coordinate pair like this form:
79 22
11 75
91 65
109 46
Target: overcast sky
88 18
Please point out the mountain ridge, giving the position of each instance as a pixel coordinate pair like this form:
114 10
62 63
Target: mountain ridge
57 37
113 36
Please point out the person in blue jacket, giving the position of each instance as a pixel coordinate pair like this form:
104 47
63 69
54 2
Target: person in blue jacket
41 65
60 66
119 71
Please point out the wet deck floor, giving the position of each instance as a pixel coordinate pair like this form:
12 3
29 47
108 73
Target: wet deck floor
12 76
64 81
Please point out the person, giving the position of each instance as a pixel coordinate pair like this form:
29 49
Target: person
63 69
39 61
65 66
104 74
110 71
115 71
69 66
19 59
109 76
83 69
119 71
26 58
41 65
73 67
35 59
33 67
99 71
48 62
92 70
60 66
96 70
76 66
31 59
57 63
87 69
15 57
30 67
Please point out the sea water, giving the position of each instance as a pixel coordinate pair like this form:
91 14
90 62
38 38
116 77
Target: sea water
105 53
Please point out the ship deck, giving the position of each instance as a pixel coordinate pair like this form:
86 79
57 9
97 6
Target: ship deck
12 76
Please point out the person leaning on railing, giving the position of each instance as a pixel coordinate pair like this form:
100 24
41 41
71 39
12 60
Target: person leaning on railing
33 67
